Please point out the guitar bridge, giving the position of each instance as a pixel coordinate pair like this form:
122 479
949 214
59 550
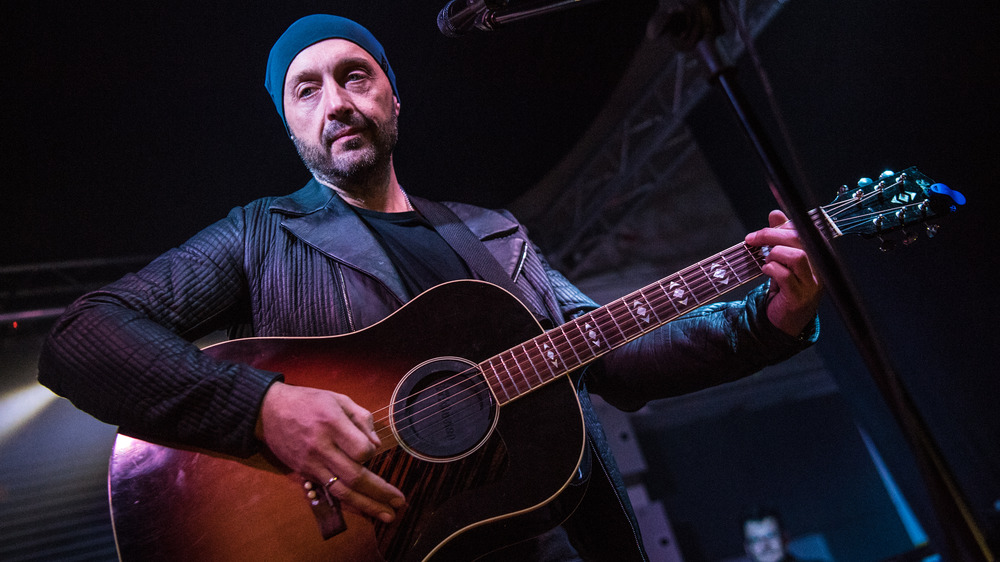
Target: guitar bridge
326 509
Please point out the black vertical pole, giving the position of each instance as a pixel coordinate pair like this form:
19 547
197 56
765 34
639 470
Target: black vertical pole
695 26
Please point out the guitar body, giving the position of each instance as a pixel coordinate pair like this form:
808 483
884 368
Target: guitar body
476 475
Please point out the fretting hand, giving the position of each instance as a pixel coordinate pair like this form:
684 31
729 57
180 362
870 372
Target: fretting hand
795 290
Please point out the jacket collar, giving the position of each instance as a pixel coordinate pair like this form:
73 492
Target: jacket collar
321 219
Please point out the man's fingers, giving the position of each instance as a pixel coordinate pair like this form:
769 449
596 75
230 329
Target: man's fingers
792 259
359 418
326 437
776 219
368 494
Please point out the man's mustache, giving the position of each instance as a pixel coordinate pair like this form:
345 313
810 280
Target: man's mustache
334 128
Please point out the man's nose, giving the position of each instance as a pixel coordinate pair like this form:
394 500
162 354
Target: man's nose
337 101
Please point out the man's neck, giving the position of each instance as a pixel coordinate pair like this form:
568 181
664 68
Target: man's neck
385 195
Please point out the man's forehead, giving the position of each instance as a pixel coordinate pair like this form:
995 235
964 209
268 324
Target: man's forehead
760 526
328 54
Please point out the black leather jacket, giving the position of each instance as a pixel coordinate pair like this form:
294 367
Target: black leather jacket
305 265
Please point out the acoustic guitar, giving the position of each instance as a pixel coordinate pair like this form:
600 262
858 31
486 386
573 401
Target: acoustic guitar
480 423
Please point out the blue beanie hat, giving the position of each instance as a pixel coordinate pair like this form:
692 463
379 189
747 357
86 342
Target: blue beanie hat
308 31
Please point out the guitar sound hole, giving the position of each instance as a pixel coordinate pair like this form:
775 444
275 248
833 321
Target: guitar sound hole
443 410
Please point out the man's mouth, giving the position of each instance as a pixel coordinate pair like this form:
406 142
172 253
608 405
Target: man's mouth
341 134
336 131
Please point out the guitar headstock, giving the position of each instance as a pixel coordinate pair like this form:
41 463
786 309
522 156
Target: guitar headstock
888 206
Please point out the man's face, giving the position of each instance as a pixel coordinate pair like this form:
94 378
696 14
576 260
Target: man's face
763 540
341 111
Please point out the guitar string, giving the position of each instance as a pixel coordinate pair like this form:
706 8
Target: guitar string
858 220
604 325
654 302
528 358
573 340
658 300
478 388
866 197
702 286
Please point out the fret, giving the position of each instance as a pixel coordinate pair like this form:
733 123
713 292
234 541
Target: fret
561 330
738 265
549 356
666 289
748 260
732 270
520 367
710 276
642 312
661 304
534 358
577 331
510 375
679 293
592 334
692 293
495 376
757 257
614 316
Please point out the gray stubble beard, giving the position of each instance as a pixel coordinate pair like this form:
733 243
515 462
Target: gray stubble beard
359 177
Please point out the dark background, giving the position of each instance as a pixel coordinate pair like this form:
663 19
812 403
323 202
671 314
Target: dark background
156 115
130 127
867 86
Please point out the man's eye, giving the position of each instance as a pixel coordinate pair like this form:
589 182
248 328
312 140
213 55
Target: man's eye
306 91
357 76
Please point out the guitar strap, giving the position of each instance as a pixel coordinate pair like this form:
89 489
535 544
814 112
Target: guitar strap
458 235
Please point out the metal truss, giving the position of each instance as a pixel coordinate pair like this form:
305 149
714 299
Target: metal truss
642 154
41 291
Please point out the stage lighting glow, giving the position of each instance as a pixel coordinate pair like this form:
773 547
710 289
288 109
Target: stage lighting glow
20 406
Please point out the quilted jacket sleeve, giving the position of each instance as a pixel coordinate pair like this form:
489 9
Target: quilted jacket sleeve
123 353
710 345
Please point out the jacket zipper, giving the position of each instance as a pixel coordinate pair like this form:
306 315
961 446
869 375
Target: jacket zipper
520 261
348 313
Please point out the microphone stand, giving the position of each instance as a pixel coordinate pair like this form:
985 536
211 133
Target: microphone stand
500 15
695 25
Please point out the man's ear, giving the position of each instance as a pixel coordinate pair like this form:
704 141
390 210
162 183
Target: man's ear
396 105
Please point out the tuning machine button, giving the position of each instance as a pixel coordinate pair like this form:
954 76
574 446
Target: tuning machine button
943 189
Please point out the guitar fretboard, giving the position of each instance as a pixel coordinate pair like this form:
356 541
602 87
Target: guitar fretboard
562 350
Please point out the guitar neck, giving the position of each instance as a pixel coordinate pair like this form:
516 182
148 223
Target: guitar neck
559 351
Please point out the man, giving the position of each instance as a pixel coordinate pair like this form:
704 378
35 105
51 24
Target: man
341 254
764 536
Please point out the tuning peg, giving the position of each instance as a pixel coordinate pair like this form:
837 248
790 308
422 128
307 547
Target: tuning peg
886 175
887 245
932 230
865 182
878 222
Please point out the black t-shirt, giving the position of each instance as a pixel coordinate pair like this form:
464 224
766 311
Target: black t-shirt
422 258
